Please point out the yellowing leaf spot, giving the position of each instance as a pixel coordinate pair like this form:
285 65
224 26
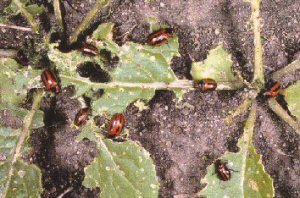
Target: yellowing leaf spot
268 195
253 185
141 105
152 58
153 186
140 159
107 168
21 173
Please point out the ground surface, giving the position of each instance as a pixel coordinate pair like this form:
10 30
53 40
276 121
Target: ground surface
183 138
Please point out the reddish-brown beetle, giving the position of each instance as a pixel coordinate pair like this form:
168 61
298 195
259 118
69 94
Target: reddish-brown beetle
223 172
159 37
89 49
51 80
116 125
205 84
274 90
82 116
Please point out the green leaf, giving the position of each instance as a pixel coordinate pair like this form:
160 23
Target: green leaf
18 178
25 179
138 64
33 9
29 11
104 31
15 82
292 97
249 178
217 66
122 169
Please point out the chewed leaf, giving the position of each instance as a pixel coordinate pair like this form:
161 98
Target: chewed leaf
138 65
217 66
67 63
122 170
33 9
117 99
25 180
15 82
248 176
29 11
18 178
292 97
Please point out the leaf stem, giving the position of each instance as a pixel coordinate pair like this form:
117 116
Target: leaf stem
178 84
25 29
258 78
289 69
88 19
247 140
24 133
58 14
27 15
276 108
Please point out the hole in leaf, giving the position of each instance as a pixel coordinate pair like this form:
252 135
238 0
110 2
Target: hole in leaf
93 72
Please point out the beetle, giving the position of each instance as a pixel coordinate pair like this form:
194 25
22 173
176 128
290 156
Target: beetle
82 116
205 84
159 37
274 90
51 80
89 49
116 125
223 172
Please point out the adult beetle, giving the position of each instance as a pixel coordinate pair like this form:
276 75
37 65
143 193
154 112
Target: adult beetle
274 90
82 116
51 80
116 125
205 84
223 172
89 49
159 37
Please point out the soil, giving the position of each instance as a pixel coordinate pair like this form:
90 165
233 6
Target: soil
182 138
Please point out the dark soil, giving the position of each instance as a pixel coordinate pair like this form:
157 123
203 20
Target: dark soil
182 138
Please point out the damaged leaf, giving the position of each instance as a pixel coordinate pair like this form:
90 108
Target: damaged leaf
292 97
17 177
217 66
29 11
248 175
138 65
122 169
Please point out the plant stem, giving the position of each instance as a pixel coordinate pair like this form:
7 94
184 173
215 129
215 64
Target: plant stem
178 84
27 15
258 78
24 133
25 29
58 14
88 19
276 108
285 71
